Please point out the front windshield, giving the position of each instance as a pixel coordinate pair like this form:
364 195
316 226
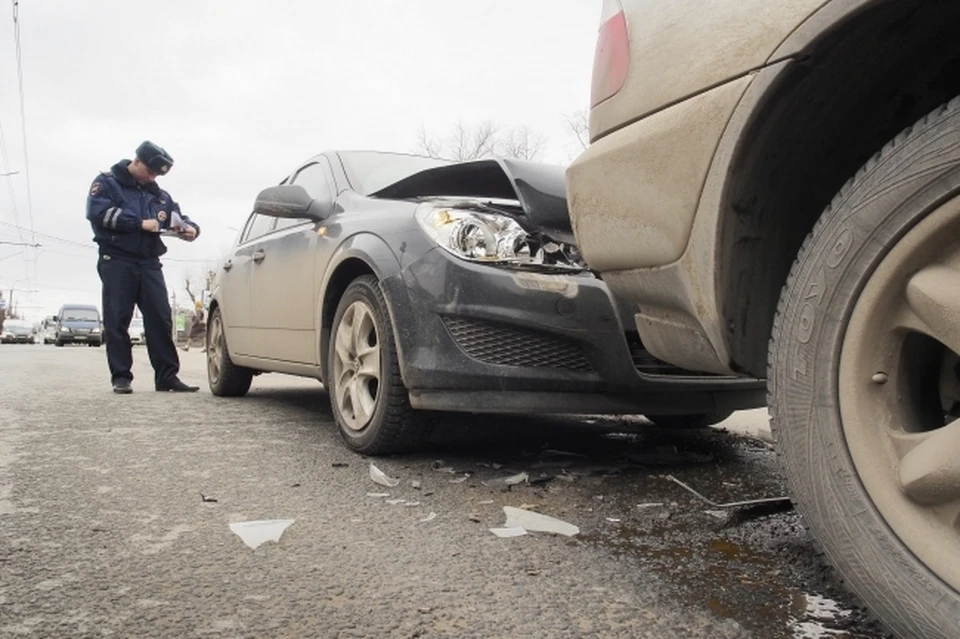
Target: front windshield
370 171
79 314
17 324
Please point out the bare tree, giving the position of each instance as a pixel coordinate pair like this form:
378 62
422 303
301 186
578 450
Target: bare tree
579 124
481 140
521 143
195 282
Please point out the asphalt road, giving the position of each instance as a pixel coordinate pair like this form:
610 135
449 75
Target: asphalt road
108 528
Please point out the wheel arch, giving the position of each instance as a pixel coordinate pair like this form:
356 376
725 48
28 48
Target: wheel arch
363 254
848 92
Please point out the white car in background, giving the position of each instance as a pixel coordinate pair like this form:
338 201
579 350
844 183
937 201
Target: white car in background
137 333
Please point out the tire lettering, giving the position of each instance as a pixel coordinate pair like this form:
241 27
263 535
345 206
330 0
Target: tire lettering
807 317
840 248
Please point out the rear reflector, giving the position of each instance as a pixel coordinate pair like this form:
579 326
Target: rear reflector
612 59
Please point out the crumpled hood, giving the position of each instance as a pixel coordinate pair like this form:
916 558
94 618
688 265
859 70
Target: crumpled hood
540 189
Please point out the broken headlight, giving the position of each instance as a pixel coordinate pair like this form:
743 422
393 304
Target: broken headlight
482 236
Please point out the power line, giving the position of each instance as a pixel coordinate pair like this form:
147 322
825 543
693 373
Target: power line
54 238
23 112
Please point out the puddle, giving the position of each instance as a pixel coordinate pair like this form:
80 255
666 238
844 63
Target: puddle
735 581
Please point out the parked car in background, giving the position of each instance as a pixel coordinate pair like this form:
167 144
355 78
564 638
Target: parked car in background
136 331
79 324
48 329
772 186
410 284
17 331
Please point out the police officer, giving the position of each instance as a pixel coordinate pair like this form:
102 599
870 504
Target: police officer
128 212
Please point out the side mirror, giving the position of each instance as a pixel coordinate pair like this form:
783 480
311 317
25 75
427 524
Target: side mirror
290 201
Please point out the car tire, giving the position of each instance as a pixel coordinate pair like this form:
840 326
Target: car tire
59 343
373 413
702 420
856 384
225 378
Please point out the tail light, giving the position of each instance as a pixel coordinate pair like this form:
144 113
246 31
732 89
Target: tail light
612 58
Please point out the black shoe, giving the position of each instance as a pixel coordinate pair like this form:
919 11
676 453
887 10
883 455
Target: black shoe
122 387
176 386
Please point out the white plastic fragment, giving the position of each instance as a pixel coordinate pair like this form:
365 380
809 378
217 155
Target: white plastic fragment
412 504
460 480
505 533
254 533
379 495
650 505
485 502
529 520
394 502
379 477
429 517
613 520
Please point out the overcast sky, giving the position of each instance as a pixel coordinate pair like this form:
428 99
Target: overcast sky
240 92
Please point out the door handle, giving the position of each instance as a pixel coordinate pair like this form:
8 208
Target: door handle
228 265
258 255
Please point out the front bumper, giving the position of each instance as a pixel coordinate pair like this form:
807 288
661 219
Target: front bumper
487 339
17 339
80 338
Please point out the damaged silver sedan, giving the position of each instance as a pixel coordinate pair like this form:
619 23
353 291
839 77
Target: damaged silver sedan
409 284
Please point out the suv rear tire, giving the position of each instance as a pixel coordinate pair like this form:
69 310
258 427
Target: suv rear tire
862 371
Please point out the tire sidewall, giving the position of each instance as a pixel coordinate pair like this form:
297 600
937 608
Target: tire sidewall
888 198
217 388
362 290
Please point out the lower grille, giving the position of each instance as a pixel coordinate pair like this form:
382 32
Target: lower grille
497 344
646 363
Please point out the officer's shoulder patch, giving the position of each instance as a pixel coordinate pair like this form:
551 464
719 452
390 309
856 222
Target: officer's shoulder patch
95 188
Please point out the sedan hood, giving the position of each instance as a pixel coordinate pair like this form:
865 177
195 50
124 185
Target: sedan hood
540 189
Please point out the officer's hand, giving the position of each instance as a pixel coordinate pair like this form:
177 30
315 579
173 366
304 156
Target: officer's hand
189 233
150 225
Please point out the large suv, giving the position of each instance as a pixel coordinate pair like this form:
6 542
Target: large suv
79 324
775 188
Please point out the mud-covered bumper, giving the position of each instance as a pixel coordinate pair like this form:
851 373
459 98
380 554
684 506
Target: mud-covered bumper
486 339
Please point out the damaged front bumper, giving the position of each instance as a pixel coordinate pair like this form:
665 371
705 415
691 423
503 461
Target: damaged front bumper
476 338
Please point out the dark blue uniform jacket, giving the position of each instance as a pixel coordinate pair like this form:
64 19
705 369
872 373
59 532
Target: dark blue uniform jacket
116 207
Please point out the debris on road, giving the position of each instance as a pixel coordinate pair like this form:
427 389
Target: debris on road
416 484
473 517
654 504
429 517
613 520
669 456
732 504
254 533
412 504
533 521
485 502
544 478
551 452
380 495
296 485
209 500
505 533
504 483
394 502
460 480
379 477
719 514
496 466
440 468
340 464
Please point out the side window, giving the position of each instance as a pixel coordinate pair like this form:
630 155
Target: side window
313 178
259 225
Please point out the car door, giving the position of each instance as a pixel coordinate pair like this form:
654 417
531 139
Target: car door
284 306
236 278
